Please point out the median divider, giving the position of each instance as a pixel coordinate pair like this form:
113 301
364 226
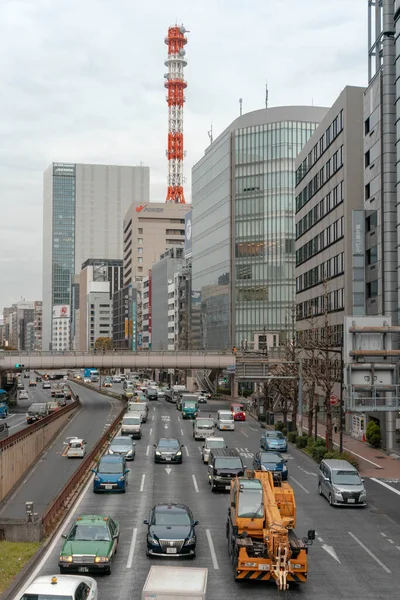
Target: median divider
69 493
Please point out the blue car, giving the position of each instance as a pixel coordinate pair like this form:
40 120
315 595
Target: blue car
271 461
273 440
111 474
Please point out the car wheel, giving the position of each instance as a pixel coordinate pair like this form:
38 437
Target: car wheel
319 488
109 570
330 500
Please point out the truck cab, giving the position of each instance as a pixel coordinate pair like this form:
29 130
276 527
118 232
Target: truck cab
190 406
203 427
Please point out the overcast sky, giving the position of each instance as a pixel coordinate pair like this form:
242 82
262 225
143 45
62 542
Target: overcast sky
82 81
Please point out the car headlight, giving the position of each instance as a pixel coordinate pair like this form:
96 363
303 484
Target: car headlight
129 453
101 559
110 451
264 468
152 540
67 559
284 467
363 494
337 492
217 477
122 478
190 541
178 453
158 453
97 478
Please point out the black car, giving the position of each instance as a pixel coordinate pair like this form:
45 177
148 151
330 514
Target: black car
152 394
224 465
168 450
171 531
271 461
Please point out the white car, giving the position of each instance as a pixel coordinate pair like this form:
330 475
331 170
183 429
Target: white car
23 395
76 448
116 379
209 443
68 587
87 380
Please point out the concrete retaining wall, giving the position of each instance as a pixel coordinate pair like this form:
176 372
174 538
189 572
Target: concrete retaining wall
15 460
18 530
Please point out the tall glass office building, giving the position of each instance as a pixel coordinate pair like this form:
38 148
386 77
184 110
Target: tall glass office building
244 226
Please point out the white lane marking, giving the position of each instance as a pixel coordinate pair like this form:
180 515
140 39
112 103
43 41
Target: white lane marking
331 552
390 541
199 447
368 551
63 527
142 482
398 548
152 418
299 484
212 549
244 433
196 487
168 469
151 431
253 429
165 426
386 485
132 548
320 540
187 451
304 471
148 450
383 534
182 432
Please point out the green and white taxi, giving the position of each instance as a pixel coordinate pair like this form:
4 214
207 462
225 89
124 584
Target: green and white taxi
90 545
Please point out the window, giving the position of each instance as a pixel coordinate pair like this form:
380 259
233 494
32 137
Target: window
140 250
372 221
140 230
140 260
372 289
140 240
372 255
367 191
140 269
367 159
366 126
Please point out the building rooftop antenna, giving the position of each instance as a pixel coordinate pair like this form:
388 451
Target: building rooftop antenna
266 95
240 106
210 134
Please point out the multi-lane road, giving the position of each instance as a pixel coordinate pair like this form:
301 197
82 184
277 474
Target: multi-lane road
51 472
355 555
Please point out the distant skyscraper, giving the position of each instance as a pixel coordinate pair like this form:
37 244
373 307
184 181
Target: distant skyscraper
83 210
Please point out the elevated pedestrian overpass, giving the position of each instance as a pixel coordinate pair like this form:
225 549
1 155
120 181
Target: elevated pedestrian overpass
13 361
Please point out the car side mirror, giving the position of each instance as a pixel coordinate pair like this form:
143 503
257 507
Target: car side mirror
64 535
203 447
195 523
155 445
326 478
126 471
145 522
362 480
285 461
182 445
233 504
133 443
93 470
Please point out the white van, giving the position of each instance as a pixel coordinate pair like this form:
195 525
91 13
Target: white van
76 448
225 420
131 425
139 408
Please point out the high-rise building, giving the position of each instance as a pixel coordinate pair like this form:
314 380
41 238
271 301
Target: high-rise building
83 210
37 323
16 319
329 208
243 279
149 230
100 279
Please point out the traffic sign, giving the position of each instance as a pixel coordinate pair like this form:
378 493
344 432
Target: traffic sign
333 400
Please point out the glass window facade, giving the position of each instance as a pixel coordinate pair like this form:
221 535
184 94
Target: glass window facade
243 270
264 279
63 232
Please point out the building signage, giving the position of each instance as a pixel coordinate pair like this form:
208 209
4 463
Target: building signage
139 339
358 232
61 312
126 328
196 297
188 235
134 320
147 208
150 305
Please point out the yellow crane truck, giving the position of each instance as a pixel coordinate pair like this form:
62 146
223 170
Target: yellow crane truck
262 543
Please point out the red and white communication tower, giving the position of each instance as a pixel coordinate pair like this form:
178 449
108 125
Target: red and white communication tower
175 85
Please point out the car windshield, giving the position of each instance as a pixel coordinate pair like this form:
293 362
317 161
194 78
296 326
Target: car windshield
131 420
215 443
189 404
137 407
270 457
75 445
251 504
204 423
346 478
122 441
228 463
87 533
171 517
110 468
237 408
275 434
168 444
225 416
45 597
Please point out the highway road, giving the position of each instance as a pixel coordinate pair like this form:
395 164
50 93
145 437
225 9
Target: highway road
355 555
50 473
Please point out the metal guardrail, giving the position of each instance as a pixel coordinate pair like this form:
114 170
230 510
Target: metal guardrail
50 517
20 435
120 353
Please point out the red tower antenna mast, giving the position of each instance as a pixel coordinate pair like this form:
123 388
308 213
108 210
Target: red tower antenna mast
175 85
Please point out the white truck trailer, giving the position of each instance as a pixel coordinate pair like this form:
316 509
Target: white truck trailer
182 583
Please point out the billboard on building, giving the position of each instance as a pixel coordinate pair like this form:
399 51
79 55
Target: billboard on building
126 328
188 235
134 321
150 305
61 311
196 298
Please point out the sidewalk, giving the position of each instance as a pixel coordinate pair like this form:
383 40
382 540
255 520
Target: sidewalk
373 461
